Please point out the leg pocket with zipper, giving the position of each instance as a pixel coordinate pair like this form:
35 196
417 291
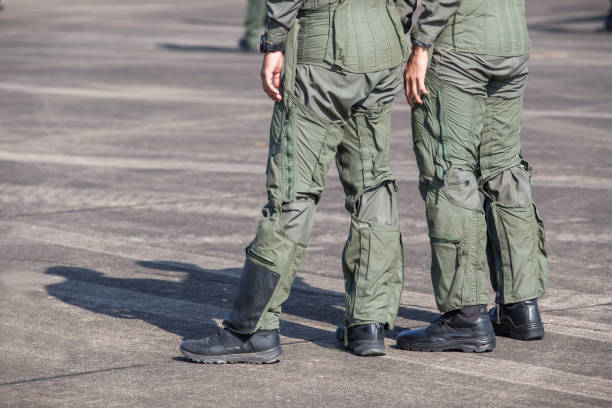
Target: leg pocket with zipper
458 241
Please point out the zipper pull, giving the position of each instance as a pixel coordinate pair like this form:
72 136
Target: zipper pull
459 250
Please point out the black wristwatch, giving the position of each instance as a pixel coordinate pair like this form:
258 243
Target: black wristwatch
265 46
420 44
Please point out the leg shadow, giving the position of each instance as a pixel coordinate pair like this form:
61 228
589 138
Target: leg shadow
191 302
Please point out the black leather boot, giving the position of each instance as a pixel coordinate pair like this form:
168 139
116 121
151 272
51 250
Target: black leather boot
363 340
520 320
226 346
452 331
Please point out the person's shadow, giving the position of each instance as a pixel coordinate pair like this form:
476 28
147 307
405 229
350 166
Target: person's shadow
189 300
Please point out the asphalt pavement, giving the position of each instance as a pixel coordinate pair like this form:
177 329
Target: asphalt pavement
133 140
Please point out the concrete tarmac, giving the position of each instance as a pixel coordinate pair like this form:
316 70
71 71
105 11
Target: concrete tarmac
133 140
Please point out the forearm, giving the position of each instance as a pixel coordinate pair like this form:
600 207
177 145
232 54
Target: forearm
433 19
281 15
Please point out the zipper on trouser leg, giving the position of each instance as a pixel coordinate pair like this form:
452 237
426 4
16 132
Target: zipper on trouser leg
456 242
258 257
289 156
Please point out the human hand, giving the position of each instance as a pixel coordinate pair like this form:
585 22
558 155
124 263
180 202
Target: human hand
414 75
271 68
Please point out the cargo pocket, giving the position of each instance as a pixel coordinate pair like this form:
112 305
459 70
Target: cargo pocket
446 253
373 255
520 239
377 280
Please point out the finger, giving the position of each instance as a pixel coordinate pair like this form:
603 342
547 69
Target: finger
276 84
407 92
415 92
422 86
409 97
268 85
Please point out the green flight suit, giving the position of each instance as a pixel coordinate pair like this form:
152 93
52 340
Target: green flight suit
343 62
473 179
254 22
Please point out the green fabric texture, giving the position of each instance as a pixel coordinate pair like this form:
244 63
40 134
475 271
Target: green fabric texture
274 250
501 146
352 36
516 253
363 157
255 21
461 142
491 27
458 240
303 144
373 267
308 144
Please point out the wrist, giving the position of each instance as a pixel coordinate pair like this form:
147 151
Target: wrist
267 46
419 49
416 44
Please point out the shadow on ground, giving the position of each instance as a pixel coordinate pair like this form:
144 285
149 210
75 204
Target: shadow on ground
203 48
94 291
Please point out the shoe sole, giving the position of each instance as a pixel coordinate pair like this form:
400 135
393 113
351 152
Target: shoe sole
525 333
478 345
261 357
364 348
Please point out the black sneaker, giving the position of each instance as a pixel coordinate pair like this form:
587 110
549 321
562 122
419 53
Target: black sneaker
451 331
520 320
225 346
363 340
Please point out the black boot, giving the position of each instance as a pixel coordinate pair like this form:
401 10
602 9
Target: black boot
609 21
467 329
363 340
226 346
520 320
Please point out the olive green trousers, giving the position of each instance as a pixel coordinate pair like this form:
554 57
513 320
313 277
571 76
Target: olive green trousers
475 183
329 116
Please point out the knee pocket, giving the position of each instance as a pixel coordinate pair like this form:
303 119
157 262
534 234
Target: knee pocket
379 205
297 218
272 247
512 187
461 186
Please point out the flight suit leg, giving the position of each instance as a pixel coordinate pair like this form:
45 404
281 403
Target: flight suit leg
446 134
516 249
301 149
373 256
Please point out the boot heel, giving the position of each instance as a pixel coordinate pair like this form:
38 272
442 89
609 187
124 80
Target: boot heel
527 333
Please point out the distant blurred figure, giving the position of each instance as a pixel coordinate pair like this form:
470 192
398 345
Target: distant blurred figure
254 24
609 19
